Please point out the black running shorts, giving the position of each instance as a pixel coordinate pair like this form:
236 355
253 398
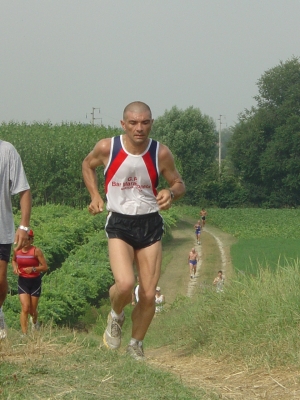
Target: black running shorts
32 286
139 231
5 252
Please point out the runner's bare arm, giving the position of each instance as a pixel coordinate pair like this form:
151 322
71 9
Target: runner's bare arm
43 267
169 172
97 157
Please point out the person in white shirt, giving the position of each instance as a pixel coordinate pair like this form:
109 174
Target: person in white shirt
219 282
159 300
12 181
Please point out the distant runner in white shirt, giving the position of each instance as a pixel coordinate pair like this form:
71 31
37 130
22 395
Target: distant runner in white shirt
219 282
159 300
136 290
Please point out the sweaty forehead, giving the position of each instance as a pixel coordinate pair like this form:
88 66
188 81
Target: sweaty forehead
137 115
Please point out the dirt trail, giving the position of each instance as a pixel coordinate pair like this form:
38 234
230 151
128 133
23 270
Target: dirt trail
214 254
227 381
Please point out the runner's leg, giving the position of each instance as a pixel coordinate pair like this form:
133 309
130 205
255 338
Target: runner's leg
3 281
25 309
34 300
148 262
121 256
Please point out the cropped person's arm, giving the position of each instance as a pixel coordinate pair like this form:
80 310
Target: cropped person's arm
25 204
15 264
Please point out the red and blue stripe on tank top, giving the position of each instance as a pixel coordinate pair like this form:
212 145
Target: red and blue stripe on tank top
119 155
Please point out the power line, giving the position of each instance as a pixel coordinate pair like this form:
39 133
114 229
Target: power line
93 115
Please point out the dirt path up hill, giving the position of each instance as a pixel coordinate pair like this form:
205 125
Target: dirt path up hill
214 252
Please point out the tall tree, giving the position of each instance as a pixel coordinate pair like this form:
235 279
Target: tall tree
264 147
192 138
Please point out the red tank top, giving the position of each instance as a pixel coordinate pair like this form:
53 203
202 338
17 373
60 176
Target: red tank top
25 260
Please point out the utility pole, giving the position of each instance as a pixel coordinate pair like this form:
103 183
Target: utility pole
93 115
220 142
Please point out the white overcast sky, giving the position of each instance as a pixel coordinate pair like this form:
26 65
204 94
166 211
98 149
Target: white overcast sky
61 58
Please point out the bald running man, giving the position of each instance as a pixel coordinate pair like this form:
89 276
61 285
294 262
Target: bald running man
132 164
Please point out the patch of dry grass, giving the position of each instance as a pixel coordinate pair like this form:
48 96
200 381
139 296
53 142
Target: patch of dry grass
61 364
228 379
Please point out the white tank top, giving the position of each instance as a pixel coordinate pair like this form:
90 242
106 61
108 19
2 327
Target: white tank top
131 180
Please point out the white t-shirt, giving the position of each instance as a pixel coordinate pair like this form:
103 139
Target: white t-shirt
159 301
12 181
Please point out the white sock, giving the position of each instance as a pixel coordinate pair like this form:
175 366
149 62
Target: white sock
117 316
135 341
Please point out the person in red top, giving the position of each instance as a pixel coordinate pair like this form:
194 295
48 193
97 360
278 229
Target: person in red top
28 263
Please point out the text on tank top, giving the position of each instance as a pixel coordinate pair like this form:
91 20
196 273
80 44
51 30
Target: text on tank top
131 180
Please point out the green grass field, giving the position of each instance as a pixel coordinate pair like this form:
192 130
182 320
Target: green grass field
266 238
249 254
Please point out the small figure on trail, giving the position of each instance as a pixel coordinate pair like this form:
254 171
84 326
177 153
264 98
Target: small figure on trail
197 227
136 290
132 298
159 300
203 214
219 282
28 263
192 261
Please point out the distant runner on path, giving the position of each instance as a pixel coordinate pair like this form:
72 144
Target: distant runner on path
203 214
159 300
197 227
192 261
219 282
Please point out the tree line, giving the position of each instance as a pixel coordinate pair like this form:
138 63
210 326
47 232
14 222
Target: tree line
260 164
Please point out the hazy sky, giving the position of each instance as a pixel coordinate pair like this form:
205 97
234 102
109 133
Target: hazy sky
61 58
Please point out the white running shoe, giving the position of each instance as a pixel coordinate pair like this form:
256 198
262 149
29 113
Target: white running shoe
36 326
136 351
113 332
